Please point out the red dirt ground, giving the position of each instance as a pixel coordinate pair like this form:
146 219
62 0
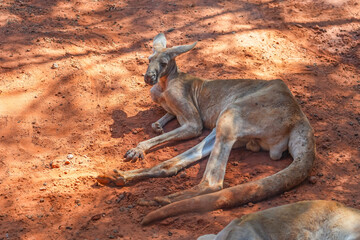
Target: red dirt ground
71 81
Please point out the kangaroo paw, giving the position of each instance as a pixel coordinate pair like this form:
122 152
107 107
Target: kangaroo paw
134 154
157 128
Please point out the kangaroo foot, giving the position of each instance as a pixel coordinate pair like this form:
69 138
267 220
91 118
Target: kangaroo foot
116 178
190 193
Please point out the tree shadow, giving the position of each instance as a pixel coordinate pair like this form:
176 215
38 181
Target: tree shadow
122 33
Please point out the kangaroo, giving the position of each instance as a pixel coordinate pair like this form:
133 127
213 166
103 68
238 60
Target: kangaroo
306 220
257 114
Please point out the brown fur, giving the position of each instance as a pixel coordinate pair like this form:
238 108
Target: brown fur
257 114
307 220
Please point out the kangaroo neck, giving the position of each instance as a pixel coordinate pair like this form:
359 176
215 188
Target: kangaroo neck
171 72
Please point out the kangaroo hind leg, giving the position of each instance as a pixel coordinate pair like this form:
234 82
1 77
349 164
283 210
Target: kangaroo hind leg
226 136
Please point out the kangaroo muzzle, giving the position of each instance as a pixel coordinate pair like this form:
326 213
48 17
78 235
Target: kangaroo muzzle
150 78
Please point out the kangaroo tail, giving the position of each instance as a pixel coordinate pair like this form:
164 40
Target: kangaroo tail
301 147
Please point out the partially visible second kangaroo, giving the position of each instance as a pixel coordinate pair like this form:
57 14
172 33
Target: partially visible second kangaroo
257 114
306 220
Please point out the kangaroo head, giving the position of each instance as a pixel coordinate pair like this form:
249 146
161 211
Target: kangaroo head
163 59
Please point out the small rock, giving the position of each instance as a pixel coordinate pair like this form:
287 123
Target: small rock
250 204
170 29
299 25
54 165
120 197
41 200
111 237
313 179
67 162
42 189
170 233
183 175
68 227
70 156
54 66
96 217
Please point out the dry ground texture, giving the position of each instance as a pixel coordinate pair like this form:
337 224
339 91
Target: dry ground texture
71 82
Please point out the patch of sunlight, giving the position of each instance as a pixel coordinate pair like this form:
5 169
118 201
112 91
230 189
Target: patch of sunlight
16 103
262 52
228 23
336 2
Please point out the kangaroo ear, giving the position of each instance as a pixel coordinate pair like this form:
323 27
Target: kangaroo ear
159 42
176 51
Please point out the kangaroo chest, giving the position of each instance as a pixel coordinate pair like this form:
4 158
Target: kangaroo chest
157 95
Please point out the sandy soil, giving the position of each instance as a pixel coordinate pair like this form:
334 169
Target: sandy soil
71 82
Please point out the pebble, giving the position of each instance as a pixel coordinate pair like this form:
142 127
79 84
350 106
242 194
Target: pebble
41 200
250 204
312 179
54 66
70 156
54 165
183 175
120 197
96 217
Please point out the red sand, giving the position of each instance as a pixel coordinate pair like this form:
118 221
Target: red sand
71 81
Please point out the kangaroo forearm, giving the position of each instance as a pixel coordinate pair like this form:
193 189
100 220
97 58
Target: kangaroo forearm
181 133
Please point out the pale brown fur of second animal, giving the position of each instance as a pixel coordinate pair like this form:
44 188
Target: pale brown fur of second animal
306 220
257 114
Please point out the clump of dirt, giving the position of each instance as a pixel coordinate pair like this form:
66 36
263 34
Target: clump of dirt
71 83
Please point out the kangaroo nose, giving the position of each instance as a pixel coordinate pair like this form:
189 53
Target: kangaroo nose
150 78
